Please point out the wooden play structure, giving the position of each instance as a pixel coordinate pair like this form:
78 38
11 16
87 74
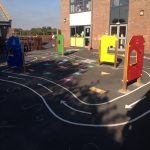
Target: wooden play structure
105 43
133 71
59 42
15 53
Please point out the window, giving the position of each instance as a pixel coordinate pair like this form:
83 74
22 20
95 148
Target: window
77 6
73 31
119 11
0 32
77 31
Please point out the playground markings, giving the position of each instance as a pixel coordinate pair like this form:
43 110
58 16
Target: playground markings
77 74
47 64
45 87
76 123
16 78
97 90
104 73
66 80
63 67
47 73
63 102
90 66
31 70
89 104
75 64
130 106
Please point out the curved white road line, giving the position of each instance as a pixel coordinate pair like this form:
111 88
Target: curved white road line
35 58
81 100
64 103
79 124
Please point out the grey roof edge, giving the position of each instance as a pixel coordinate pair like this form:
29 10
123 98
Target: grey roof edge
5 12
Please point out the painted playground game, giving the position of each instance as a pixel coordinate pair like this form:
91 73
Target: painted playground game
75 99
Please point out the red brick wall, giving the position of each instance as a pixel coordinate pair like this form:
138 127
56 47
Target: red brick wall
101 11
65 26
139 25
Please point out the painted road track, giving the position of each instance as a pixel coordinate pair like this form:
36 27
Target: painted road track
72 103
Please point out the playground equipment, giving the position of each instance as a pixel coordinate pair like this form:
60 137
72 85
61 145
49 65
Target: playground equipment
104 56
15 53
60 44
133 70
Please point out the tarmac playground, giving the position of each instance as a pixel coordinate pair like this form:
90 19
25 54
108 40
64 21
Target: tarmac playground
55 105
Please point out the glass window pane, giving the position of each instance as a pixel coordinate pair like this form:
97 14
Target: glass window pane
122 32
87 5
71 1
121 44
87 32
114 15
72 8
123 14
114 31
114 3
124 2
79 30
73 31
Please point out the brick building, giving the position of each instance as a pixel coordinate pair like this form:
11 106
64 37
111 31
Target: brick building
83 22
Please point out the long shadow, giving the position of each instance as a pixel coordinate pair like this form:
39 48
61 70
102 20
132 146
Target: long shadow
51 133
137 134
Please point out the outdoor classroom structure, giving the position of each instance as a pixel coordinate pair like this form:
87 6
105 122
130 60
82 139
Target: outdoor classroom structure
5 27
83 22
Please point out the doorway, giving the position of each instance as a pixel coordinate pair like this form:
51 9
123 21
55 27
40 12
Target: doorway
120 31
87 36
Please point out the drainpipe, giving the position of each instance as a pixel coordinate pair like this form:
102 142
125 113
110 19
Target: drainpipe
91 22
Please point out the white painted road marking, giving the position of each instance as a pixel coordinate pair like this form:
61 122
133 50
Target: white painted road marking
79 124
99 104
33 106
16 78
63 102
130 106
13 89
45 87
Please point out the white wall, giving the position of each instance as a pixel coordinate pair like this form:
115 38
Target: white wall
80 19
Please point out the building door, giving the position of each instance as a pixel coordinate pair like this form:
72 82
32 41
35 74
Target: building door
120 31
87 36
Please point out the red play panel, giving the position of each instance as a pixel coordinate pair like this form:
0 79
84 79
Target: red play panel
134 70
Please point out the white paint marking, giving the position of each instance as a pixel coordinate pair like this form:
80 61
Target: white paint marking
16 78
130 106
79 124
3 125
81 100
3 98
35 58
63 102
33 106
38 118
45 87
12 89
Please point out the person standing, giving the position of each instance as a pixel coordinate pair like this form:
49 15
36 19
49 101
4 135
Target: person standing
53 40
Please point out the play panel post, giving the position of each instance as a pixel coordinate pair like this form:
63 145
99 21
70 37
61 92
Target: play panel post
15 53
133 70
105 43
60 45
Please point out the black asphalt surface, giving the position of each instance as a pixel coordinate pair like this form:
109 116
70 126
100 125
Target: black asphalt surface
51 108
